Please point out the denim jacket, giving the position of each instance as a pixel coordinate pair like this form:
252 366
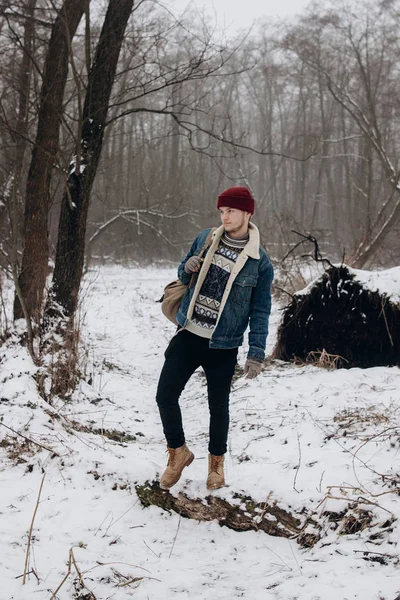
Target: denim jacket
247 297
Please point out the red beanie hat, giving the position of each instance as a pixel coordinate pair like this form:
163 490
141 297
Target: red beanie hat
237 197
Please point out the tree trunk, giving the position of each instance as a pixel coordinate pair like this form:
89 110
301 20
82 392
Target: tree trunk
10 211
33 274
246 515
24 93
72 227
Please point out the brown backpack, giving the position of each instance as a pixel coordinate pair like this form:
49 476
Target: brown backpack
174 291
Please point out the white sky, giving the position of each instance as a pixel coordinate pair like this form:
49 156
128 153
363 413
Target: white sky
237 14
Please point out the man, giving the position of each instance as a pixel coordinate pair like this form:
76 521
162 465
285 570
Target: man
232 291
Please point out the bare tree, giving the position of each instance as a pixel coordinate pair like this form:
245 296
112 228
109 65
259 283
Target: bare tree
72 229
357 65
34 268
18 131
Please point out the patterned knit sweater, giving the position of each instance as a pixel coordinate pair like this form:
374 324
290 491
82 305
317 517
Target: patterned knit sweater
208 302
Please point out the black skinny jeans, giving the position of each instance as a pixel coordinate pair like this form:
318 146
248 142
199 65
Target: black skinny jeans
185 353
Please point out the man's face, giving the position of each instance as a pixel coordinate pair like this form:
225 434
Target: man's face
234 219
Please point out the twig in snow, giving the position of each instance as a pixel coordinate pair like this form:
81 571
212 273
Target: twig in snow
362 500
298 466
354 455
106 564
28 573
319 488
65 578
134 580
349 499
101 524
151 550
72 561
116 520
30 531
294 556
29 439
176 535
373 552
76 568
280 558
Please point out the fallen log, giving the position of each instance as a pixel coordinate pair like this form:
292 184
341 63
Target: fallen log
246 515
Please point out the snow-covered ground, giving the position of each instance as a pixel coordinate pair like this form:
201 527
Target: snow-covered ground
319 443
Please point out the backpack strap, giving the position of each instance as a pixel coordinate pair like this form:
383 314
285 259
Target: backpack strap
207 244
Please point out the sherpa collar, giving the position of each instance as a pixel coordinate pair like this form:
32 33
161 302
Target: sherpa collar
252 247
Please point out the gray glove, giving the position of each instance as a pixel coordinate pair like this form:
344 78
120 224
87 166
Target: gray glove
252 368
193 264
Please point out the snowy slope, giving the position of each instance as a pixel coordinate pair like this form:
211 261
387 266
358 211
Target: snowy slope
312 440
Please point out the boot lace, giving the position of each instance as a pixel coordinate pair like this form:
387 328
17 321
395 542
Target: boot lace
171 457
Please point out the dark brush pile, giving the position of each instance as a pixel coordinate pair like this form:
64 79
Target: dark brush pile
337 315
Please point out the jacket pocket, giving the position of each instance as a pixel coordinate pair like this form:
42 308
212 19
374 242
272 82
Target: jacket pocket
242 287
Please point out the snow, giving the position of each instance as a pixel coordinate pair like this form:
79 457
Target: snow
307 438
386 282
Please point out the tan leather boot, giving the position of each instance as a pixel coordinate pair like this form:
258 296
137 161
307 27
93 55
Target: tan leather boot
178 459
216 478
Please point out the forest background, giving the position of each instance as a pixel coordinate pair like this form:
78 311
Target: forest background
120 123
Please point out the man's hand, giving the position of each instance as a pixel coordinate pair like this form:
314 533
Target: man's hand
252 368
193 264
